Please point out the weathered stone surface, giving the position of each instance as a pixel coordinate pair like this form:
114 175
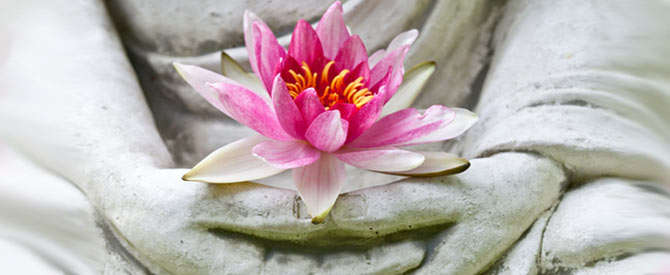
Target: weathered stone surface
523 257
572 95
59 224
245 227
503 199
563 83
643 263
607 219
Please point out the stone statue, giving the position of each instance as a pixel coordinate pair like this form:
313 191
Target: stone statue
569 161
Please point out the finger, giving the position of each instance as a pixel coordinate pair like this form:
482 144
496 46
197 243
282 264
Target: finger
604 219
279 214
381 259
581 98
506 193
152 214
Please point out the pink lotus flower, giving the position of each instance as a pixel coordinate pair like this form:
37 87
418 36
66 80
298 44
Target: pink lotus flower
320 109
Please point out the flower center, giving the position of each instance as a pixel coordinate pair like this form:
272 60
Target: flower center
331 90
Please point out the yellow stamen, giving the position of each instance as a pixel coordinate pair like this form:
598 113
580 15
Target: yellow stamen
361 97
311 78
333 98
293 94
348 91
335 90
324 74
325 93
337 81
292 87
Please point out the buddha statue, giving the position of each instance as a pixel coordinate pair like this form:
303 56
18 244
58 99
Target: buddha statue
569 159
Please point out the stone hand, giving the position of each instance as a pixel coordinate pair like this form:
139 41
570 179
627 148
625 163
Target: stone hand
198 228
523 115
580 123
97 132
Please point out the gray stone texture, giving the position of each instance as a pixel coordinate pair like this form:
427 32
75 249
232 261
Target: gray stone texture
570 157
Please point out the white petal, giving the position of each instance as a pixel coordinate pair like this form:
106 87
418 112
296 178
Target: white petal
231 69
402 39
409 90
436 164
319 184
232 163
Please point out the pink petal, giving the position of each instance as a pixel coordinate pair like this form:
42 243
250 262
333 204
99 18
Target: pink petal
386 159
412 84
361 69
394 61
309 104
403 126
232 163
250 19
268 53
286 154
408 127
346 109
376 57
288 114
249 109
305 45
462 122
319 185
198 78
351 53
383 82
328 131
287 64
332 31
403 39
366 116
